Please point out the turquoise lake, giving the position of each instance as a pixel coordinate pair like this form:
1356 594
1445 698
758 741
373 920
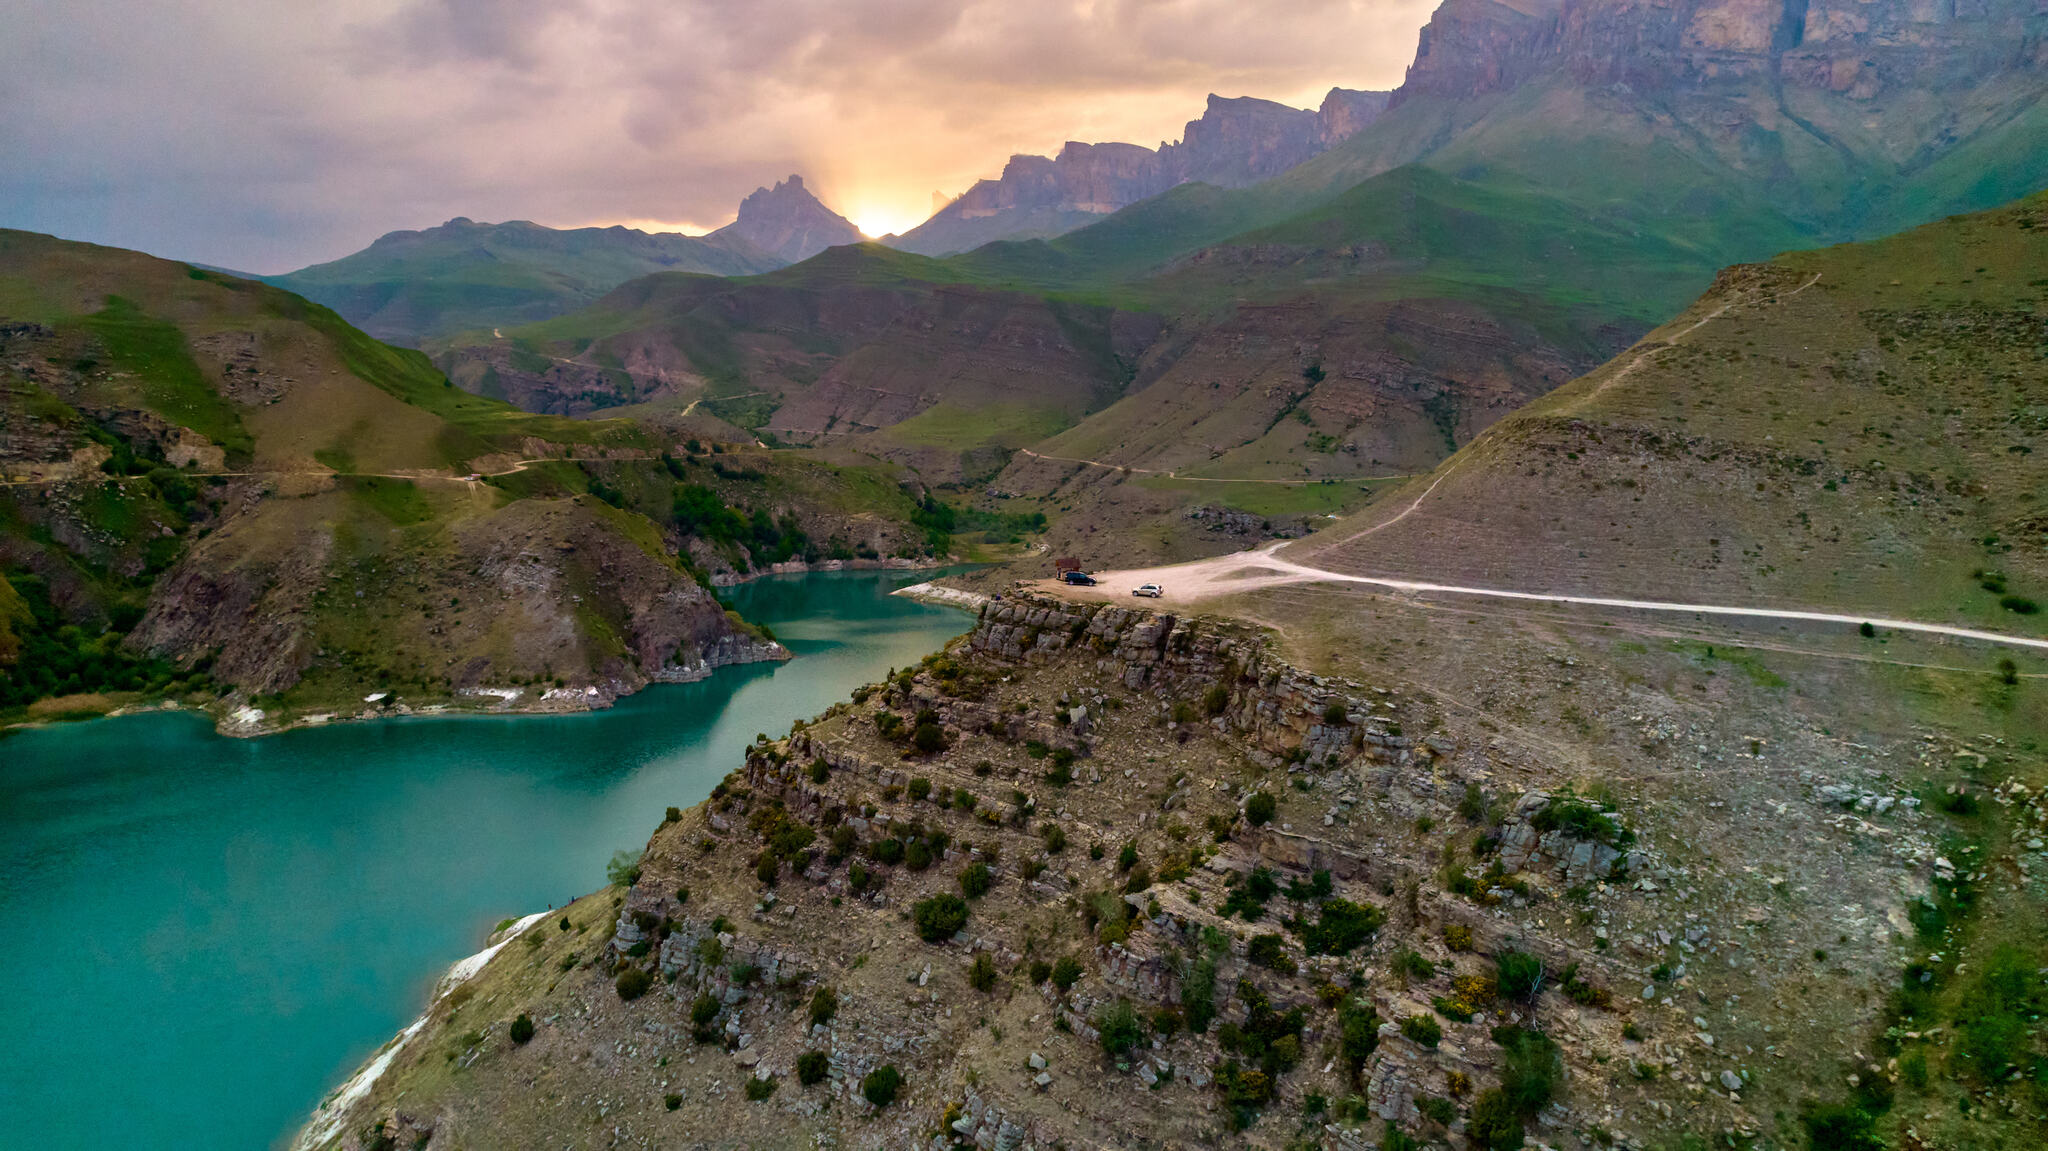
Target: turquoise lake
204 935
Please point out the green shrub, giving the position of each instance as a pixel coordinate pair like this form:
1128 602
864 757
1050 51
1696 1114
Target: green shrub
1396 1139
521 1029
881 1085
1055 839
1334 713
824 1005
1341 927
1997 1015
981 974
812 1067
1127 856
1473 805
1494 1125
975 880
1040 971
624 868
1270 951
2018 603
1532 1070
1840 1127
928 738
672 1100
1581 820
1119 1027
888 851
1423 1029
1260 808
820 771
918 855
1215 699
1519 975
1411 965
632 983
1358 1029
1198 992
703 1010
759 1089
938 917
920 789
1066 973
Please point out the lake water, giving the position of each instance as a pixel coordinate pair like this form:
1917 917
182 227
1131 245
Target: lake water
200 936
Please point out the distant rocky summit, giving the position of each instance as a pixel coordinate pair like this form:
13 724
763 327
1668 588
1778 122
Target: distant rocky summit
1235 143
789 223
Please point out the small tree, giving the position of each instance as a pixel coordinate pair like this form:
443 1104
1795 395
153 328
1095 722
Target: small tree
1119 1027
1423 1029
982 975
881 1085
939 917
632 983
975 881
1066 972
812 1067
1519 975
522 1028
920 789
1260 808
824 1005
928 738
624 869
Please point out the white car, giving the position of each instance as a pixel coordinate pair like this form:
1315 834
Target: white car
1149 590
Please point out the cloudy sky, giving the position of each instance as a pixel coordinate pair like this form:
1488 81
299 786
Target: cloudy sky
267 134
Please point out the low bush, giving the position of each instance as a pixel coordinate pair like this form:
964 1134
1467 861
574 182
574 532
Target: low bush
1270 952
759 1089
1494 1125
521 1029
976 880
824 1005
1066 973
1260 808
812 1067
1519 975
881 1085
1358 1030
1119 1027
1341 927
981 974
632 983
1423 1029
938 917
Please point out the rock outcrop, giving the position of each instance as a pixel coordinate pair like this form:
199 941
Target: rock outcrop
1236 142
1860 49
788 223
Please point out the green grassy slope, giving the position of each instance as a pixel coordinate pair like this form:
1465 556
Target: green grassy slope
209 479
409 287
1853 427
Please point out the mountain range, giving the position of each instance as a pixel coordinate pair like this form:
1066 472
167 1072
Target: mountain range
1236 142
410 287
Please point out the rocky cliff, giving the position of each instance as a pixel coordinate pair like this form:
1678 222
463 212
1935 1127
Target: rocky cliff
1100 876
1236 142
788 223
1862 49
214 488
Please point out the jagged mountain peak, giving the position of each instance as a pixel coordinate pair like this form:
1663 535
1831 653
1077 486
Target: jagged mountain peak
790 223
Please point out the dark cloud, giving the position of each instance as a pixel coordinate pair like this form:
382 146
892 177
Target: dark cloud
263 135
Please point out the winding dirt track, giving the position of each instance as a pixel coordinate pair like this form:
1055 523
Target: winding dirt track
1200 580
